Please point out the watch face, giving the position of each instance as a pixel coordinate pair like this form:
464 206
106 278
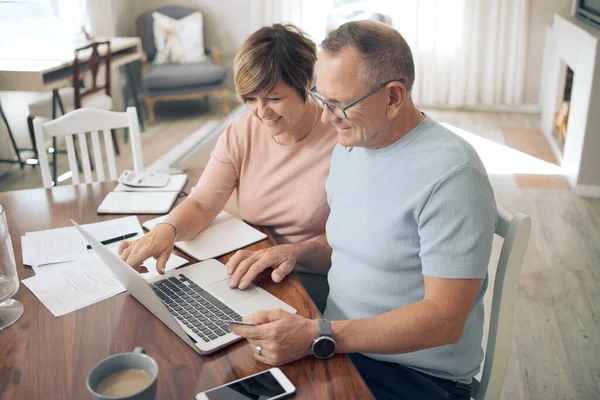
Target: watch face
324 347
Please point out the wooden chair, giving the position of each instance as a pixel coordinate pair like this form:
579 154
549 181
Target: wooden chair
515 231
171 82
78 123
75 97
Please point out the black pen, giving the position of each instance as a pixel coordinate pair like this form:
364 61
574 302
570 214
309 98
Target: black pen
116 239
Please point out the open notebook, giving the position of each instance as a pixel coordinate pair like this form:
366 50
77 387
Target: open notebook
224 235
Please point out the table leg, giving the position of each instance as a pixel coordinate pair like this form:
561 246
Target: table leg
12 140
132 88
55 96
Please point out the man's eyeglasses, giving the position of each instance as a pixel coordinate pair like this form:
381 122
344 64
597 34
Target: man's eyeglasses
340 111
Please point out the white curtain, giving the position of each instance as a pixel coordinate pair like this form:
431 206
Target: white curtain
309 15
467 52
41 29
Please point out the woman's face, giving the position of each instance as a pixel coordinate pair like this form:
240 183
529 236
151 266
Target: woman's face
279 110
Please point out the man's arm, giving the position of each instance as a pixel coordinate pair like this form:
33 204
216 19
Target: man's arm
437 320
314 256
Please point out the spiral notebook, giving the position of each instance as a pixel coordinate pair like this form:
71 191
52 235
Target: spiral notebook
224 235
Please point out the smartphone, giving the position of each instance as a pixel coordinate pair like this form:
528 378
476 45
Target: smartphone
266 385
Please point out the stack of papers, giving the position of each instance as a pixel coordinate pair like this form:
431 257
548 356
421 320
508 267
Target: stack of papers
68 276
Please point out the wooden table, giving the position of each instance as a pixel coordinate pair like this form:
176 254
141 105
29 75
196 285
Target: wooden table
46 357
44 75
48 75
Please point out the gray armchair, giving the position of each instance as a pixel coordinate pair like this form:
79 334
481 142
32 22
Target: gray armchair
178 81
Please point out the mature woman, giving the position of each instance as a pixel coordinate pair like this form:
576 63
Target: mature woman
277 157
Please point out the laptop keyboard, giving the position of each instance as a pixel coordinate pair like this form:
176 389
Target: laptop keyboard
194 307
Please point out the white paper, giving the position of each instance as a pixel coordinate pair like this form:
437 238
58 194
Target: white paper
52 246
67 287
66 244
224 235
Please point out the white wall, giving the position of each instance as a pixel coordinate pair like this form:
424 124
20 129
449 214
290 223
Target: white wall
540 16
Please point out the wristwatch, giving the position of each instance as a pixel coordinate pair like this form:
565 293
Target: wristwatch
323 346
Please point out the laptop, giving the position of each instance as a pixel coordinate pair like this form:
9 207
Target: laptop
191 300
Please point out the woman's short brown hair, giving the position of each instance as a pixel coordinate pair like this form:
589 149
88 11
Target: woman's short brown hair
273 53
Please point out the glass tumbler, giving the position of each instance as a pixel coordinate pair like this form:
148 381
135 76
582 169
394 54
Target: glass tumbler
10 310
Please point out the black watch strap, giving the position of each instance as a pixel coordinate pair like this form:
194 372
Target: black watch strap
325 328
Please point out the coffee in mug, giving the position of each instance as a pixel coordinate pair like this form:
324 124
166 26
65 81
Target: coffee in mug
130 376
124 383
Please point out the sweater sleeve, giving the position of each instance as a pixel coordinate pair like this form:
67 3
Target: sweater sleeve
456 225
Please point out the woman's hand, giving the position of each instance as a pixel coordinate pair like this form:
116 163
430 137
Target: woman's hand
158 243
245 265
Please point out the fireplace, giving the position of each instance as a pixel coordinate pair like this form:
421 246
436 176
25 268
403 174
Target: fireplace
561 117
570 101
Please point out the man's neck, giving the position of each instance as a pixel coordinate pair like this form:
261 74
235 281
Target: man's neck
405 122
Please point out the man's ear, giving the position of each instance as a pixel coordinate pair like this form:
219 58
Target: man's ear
397 95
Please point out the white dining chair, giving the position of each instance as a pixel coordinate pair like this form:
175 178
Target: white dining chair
515 231
78 122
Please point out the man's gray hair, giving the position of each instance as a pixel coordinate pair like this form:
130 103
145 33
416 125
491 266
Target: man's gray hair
385 54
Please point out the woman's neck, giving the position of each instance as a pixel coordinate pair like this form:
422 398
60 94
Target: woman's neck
302 129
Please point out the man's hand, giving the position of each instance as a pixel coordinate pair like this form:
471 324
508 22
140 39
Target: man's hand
283 337
245 265
158 243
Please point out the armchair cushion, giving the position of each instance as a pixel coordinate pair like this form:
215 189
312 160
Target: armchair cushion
178 41
146 26
177 76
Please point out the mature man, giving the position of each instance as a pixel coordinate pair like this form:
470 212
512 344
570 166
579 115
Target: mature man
410 232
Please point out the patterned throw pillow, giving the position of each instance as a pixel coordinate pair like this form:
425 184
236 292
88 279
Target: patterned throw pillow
178 41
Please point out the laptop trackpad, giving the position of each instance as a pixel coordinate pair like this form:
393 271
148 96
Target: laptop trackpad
222 290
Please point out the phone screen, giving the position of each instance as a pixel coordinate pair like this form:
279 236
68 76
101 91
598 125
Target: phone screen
259 387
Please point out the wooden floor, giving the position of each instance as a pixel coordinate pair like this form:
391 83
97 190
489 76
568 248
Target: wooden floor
556 343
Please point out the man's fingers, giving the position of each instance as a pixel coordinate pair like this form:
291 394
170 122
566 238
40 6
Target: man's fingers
241 270
237 258
255 269
282 271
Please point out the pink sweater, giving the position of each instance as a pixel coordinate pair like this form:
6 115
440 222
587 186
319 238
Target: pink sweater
282 187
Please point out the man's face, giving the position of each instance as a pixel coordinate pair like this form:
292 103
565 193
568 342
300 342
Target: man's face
338 81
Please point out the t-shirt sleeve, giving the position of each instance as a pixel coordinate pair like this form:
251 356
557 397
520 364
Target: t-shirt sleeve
457 224
221 175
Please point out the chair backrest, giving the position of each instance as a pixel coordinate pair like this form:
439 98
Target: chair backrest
515 231
94 65
78 122
145 26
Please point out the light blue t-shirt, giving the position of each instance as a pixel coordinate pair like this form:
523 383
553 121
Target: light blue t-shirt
421 206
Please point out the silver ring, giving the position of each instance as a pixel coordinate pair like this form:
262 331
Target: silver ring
259 350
